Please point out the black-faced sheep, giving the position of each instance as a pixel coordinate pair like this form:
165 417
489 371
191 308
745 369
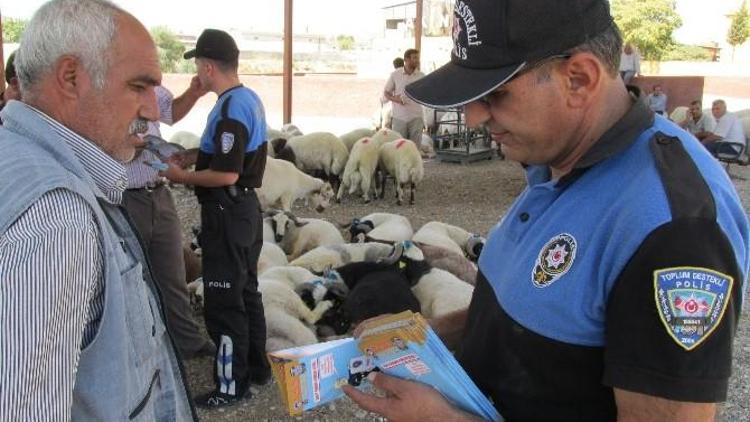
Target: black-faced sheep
283 184
282 151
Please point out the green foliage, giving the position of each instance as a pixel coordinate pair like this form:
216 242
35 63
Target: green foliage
688 53
648 24
739 30
12 29
345 42
170 49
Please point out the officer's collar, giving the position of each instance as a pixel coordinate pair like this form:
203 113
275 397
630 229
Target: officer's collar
615 140
230 89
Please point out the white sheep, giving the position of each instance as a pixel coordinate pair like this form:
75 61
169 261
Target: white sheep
360 169
381 227
450 237
187 139
440 293
427 147
401 159
291 130
350 138
271 255
385 135
284 308
324 257
321 151
283 184
297 236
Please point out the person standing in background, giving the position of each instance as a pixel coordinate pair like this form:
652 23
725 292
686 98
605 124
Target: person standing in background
630 63
407 115
151 206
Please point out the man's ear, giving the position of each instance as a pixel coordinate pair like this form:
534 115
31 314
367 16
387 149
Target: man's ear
69 75
583 73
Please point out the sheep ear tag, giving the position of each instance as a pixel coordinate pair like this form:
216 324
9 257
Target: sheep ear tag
691 302
227 142
554 260
401 265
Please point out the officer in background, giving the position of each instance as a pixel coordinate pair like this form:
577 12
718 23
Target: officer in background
228 166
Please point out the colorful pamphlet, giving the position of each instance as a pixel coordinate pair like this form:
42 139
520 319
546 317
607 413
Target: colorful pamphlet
402 345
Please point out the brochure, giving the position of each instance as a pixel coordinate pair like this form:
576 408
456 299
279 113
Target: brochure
402 345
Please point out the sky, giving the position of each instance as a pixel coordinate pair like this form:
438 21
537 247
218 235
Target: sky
312 16
703 20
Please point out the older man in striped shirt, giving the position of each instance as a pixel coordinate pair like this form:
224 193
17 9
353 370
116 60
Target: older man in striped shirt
151 206
83 334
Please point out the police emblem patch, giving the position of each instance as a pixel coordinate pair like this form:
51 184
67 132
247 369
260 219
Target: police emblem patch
691 302
554 260
227 142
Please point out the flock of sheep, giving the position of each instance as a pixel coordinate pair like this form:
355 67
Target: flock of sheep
318 279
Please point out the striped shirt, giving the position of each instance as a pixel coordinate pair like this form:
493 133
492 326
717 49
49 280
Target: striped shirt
139 173
51 296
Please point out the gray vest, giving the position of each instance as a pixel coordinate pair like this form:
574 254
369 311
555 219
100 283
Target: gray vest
130 370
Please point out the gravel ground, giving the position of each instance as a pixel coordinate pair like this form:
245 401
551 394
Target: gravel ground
472 196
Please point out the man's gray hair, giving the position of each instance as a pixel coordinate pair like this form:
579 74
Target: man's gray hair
84 29
606 46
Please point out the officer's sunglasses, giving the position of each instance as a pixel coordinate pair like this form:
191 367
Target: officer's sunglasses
493 97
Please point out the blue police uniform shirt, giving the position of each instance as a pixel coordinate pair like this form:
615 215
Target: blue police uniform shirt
598 271
572 308
245 107
234 139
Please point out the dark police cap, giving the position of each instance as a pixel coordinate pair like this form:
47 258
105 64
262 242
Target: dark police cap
215 44
495 39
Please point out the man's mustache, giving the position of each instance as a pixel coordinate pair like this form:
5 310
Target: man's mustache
138 126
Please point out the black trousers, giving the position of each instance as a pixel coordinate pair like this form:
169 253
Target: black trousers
231 238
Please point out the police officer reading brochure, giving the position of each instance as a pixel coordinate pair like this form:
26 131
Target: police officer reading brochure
229 165
612 287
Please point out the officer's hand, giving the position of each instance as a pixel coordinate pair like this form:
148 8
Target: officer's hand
406 401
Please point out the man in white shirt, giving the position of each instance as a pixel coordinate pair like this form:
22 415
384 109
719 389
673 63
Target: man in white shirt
728 129
630 63
697 122
407 115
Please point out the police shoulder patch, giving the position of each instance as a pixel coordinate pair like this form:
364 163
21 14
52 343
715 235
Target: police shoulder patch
691 302
227 142
554 260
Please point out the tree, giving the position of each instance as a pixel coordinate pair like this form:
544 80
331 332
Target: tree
739 30
647 24
345 42
12 29
170 49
